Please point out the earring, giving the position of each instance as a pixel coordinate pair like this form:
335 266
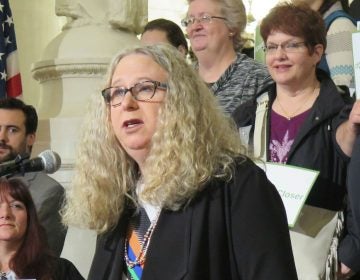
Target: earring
231 34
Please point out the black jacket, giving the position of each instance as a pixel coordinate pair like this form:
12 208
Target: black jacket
65 270
315 146
349 251
231 230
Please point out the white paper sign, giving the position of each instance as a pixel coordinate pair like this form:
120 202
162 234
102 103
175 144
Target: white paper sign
293 184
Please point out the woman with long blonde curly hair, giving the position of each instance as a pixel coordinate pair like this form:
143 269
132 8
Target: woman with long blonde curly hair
161 175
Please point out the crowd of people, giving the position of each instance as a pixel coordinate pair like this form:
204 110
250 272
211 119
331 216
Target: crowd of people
168 168
176 191
31 232
306 121
18 126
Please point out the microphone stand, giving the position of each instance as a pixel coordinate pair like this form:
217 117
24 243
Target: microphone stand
17 167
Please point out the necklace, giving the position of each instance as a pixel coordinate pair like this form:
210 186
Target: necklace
140 259
293 114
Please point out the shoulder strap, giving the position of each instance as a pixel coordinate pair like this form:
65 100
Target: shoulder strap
260 130
336 14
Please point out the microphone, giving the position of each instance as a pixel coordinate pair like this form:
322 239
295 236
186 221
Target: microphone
47 161
11 163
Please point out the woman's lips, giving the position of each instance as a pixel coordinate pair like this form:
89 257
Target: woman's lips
132 123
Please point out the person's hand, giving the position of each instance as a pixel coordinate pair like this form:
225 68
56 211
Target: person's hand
354 118
344 272
348 131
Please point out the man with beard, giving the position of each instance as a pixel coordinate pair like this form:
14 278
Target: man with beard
18 124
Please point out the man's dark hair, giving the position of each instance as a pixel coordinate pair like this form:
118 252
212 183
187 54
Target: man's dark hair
174 34
31 117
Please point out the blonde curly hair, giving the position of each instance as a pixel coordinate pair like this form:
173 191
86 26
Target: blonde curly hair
194 142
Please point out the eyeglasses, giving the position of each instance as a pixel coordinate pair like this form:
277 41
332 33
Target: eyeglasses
205 19
289 47
141 91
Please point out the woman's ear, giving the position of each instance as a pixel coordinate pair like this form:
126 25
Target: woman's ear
232 32
318 52
182 49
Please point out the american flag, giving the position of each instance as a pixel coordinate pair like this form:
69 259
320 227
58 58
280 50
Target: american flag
10 81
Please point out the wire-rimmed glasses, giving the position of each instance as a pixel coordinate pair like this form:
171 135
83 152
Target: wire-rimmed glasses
288 47
188 21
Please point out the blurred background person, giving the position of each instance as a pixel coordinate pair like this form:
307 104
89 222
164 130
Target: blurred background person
338 58
349 251
162 177
354 9
214 28
301 119
18 125
23 248
164 31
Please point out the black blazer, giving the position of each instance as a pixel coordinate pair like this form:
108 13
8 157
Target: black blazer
65 270
231 230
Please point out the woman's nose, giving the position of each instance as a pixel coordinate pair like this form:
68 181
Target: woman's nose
5 212
129 102
280 52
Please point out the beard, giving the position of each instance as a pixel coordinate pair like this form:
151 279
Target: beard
12 152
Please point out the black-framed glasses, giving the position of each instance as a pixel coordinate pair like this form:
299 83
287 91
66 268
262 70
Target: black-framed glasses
141 91
288 47
186 22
